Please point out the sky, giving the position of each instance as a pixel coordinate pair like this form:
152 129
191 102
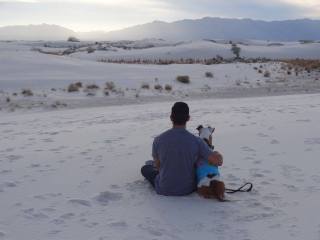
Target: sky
107 15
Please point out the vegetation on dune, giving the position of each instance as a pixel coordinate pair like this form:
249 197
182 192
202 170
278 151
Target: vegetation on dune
183 79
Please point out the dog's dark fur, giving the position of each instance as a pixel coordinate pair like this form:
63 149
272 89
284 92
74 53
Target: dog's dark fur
215 190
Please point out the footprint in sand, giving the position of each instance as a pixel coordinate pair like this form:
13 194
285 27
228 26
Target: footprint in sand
105 197
31 213
274 141
67 216
303 120
316 178
291 188
13 158
247 149
119 224
232 177
54 232
289 171
312 141
10 184
5 171
92 224
80 202
263 135
154 231
257 162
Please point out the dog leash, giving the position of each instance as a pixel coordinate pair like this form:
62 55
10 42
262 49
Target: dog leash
241 189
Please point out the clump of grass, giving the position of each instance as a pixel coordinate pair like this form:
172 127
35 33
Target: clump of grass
238 83
145 86
158 87
92 87
27 93
168 87
110 85
78 84
91 50
91 94
73 88
183 79
267 74
209 74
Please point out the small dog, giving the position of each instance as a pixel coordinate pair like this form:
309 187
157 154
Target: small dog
209 185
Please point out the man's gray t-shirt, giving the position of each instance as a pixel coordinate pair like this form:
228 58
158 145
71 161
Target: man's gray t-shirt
178 152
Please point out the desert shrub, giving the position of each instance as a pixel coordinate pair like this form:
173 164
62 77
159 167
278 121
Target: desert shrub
209 74
168 87
53 89
145 86
73 88
73 39
79 84
255 68
106 93
238 83
158 87
8 100
92 86
27 93
289 72
235 50
14 94
306 41
110 85
259 71
267 74
91 50
183 79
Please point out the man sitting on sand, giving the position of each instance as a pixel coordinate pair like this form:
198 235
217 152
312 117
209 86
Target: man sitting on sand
175 153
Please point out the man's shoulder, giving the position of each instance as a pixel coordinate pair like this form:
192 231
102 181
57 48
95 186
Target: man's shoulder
177 132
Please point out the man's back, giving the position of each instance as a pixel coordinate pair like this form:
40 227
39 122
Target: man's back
178 151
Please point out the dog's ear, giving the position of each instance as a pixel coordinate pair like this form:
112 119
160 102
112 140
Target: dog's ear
199 127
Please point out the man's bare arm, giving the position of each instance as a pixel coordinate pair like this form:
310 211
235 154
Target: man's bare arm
157 163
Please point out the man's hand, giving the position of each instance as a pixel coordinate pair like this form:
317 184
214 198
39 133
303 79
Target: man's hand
215 159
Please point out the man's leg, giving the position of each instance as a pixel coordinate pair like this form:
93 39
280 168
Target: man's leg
150 173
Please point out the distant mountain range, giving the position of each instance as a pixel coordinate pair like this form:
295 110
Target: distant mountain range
205 28
35 32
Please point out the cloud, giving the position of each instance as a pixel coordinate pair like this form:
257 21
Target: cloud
258 9
85 15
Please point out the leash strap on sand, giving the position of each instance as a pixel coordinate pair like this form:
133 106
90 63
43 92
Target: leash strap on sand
245 188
